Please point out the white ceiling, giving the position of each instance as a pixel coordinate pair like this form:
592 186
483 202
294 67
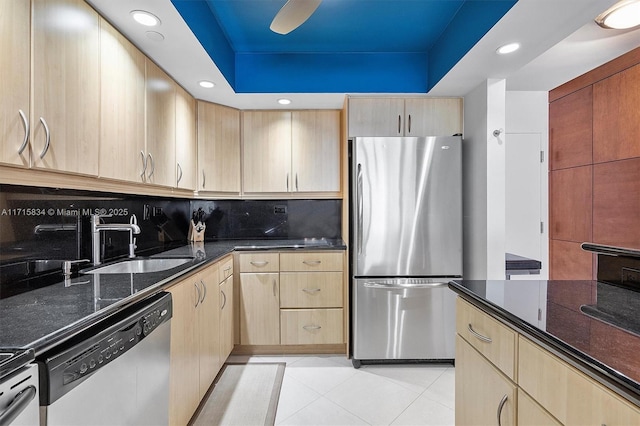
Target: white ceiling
559 42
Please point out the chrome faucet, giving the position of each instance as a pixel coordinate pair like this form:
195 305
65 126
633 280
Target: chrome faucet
131 227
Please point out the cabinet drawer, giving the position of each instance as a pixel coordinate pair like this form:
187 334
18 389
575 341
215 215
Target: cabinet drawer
311 326
225 268
311 289
569 395
492 339
314 261
259 262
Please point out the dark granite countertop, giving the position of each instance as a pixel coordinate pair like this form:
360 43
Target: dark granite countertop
46 316
592 325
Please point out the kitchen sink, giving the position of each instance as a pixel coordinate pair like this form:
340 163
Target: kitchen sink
140 266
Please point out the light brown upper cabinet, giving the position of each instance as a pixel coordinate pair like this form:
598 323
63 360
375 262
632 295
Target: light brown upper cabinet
15 45
315 151
65 119
161 126
218 148
404 117
185 140
290 152
122 96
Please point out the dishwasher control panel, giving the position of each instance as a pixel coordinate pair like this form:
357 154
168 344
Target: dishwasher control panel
96 347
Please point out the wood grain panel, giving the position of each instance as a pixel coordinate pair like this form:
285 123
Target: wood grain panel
311 261
616 116
433 116
570 130
311 290
376 116
570 192
311 326
186 144
259 309
569 262
259 262
618 64
531 414
616 203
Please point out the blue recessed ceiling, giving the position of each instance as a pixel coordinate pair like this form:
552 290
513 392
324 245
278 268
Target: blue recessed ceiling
346 46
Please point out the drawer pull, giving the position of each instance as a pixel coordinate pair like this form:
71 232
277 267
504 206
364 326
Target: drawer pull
275 289
479 336
312 262
311 290
311 327
500 407
259 263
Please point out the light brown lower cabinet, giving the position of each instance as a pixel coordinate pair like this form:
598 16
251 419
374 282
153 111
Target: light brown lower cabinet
549 390
259 308
484 396
311 326
226 318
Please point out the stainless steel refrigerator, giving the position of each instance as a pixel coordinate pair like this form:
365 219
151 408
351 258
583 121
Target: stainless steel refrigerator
406 244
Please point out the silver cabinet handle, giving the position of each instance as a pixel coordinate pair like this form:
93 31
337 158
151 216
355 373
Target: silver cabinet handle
179 174
478 335
287 182
311 327
25 124
311 290
500 407
144 165
224 300
399 124
312 262
274 288
409 123
204 291
47 134
359 195
297 182
198 296
204 178
259 263
153 165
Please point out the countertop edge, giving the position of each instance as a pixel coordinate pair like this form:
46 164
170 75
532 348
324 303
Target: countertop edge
588 365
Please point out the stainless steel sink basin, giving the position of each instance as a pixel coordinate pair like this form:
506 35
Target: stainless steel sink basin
140 266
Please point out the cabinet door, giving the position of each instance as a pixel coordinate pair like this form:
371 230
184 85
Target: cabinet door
315 151
185 140
15 45
218 148
226 318
531 414
66 86
311 326
483 394
571 130
185 356
432 116
376 116
122 94
259 309
161 126
266 138
208 327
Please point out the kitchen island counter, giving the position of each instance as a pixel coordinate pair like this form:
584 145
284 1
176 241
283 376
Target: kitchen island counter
46 316
589 324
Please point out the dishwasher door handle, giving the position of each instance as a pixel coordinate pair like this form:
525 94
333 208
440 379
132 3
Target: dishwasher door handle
17 406
379 286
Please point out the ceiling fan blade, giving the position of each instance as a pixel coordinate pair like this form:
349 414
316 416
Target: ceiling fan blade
293 14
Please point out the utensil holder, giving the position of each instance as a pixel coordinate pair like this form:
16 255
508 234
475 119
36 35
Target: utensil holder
196 231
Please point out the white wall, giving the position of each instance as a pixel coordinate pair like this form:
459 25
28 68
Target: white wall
484 181
527 120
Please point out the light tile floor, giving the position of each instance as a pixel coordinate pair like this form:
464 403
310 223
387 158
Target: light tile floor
327 390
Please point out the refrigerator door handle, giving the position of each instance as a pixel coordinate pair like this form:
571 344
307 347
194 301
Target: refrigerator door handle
360 207
375 285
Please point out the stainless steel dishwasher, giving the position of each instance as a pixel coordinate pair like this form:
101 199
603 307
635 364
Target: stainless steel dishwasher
18 388
116 373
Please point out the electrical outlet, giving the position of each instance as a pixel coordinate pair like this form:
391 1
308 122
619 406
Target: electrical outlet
157 211
280 210
630 276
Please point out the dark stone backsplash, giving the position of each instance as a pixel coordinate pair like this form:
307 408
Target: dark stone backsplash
42 223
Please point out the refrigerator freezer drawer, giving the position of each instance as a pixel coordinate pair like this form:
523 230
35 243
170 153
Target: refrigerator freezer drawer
403 319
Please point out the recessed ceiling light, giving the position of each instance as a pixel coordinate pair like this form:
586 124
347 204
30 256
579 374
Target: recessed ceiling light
284 101
620 16
508 48
154 35
145 18
206 84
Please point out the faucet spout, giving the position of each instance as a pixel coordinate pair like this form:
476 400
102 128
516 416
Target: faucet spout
96 227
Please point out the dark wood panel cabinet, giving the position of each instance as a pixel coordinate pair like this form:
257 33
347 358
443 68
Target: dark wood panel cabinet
570 204
616 116
570 130
616 203
569 261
